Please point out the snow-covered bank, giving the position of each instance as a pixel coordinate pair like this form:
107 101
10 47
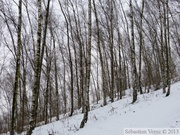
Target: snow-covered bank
152 110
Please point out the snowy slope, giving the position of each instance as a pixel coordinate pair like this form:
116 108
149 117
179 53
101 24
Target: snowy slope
152 110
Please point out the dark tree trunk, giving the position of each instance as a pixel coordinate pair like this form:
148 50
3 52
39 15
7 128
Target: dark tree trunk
88 68
17 75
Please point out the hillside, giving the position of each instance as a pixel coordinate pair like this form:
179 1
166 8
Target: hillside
152 110
59 56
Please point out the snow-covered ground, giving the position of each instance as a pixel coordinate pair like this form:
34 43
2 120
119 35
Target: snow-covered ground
152 110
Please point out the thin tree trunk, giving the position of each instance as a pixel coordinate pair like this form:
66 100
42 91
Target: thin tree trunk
17 75
24 98
133 58
112 51
104 89
120 65
48 70
37 62
88 68
168 51
70 61
162 61
38 65
55 76
140 47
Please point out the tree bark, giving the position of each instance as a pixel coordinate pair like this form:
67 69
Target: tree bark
140 47
133 56
38 64
18 73
88 68
104 89
112 51
168 51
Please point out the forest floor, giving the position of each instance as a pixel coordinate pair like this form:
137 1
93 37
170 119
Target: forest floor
152 110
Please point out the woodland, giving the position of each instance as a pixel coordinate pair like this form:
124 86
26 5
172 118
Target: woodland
58 56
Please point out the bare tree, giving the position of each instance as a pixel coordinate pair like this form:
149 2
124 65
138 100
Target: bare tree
18 73
104 89
133 56
38 64
88 68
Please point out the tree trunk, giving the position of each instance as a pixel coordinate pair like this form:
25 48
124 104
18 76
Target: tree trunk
168 51
88 68
140 47
112 52
133 58
162 61
104 89
37 62
17 75
56 79
47 92
38 65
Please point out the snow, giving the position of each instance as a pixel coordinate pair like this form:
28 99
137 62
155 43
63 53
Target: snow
152 110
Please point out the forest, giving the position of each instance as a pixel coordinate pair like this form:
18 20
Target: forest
59 56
